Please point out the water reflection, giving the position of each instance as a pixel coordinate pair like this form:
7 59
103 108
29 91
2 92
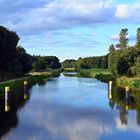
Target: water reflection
69 74
8 120
71 108
9 106
124 101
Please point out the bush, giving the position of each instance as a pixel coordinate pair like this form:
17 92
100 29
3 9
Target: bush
105 77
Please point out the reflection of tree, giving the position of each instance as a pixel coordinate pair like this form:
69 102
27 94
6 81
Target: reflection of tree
111 104
138 117
9 119
124 102
137 100
123 116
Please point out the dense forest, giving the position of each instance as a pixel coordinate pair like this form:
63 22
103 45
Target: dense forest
16 62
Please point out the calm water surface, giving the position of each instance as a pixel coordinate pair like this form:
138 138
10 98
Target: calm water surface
71 108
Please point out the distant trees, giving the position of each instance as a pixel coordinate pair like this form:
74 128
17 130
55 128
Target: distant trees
87 62
45 62
69 63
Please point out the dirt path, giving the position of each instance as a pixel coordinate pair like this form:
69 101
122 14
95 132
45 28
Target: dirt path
13 80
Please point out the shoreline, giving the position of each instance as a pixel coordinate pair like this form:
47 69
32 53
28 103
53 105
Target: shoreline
17 85
105 76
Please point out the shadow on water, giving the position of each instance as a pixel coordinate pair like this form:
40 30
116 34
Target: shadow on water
8 111
69 74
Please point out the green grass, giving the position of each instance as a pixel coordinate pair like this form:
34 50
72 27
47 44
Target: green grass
102 74
69 69
105 75
133 83
92 72
17 85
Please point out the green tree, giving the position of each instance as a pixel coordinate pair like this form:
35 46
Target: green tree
135 70
8 43
25 59
69 63
45 62
126 59
9 63
123 39
138 38
112 62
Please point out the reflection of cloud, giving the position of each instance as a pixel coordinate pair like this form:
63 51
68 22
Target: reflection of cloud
120 125
51 114
72 124
62 122
131 126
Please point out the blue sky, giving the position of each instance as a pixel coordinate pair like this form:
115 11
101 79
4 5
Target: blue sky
70 28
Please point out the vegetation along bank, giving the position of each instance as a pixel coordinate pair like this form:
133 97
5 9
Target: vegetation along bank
121 64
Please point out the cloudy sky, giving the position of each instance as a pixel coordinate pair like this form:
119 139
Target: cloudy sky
70 28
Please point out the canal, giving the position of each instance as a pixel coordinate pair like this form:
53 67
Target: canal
71 108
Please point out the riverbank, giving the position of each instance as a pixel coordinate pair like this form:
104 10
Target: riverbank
17 87
69 70
105 75
132 83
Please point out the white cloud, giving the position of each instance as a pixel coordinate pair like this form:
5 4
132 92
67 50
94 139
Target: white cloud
57 14
27 17
115 37
122 11
129 13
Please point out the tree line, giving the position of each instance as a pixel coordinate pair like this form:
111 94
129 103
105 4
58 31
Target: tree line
45 62
87 62
15 61
124 59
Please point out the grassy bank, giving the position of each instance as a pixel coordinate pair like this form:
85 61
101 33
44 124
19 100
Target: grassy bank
69 69
34 78
133 83
103 75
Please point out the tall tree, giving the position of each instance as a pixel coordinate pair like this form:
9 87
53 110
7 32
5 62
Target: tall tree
9 63
112 59
8 43
123 39
138 38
